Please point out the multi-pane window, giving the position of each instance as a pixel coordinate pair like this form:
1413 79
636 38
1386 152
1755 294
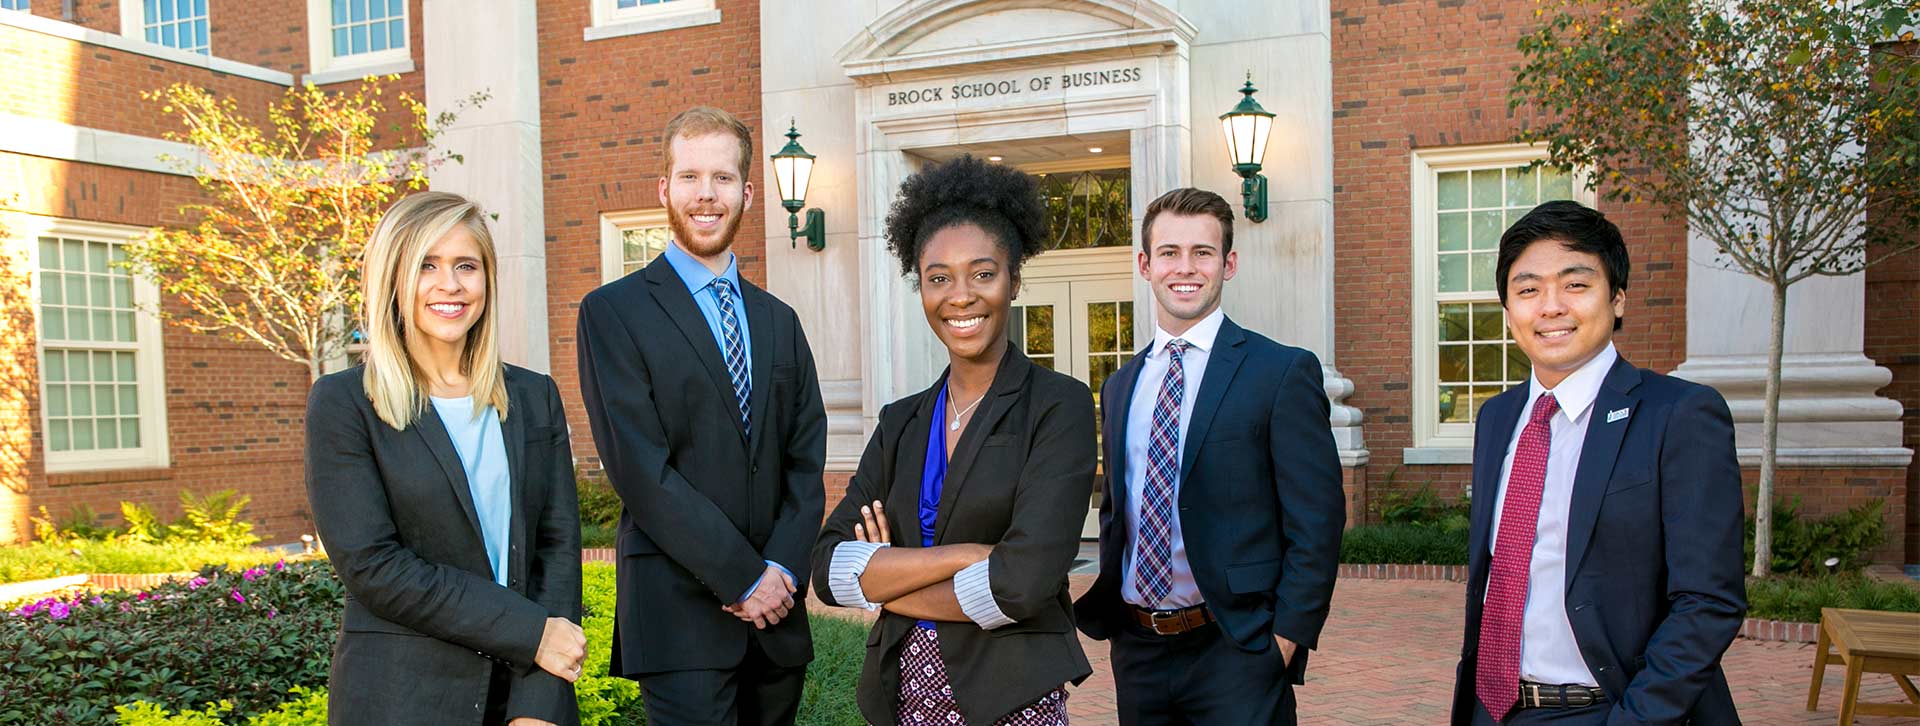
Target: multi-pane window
1464 353
13 4
1089 208
1031 332
631 240
639 245
173 23
90 338
361 27
1109 339
627 4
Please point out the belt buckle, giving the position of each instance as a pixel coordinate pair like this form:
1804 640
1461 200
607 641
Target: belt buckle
1529 695
1156 617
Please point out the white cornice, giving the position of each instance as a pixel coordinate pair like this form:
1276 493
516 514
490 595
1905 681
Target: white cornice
56 140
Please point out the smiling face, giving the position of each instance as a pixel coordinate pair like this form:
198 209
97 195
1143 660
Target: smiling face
450 293
705 193
1560 309
967 292
1186 269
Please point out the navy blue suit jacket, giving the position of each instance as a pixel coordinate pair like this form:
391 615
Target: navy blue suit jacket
1261 504
1654 586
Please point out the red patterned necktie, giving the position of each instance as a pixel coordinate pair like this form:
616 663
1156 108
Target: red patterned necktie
1497 673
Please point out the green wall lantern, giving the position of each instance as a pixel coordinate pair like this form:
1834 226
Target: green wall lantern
792 170
1247 127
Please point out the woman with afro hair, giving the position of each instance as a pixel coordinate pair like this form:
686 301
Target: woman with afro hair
965 513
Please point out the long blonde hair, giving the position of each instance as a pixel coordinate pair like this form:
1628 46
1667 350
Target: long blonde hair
395 382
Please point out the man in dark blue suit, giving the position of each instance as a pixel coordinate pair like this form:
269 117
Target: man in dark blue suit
1220 531
1604 574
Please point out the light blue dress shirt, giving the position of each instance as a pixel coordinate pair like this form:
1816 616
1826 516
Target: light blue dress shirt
483 454
699 280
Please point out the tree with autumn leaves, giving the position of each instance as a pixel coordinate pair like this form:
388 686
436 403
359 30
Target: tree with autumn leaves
272 255
1784 131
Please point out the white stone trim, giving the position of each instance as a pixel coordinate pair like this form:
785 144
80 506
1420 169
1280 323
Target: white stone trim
151 356
328 68
1425 166
62 29
612 225
873 56
56 140
613 22
1436 455
357 72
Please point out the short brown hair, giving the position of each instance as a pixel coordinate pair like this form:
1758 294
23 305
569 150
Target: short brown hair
1190 202
704 120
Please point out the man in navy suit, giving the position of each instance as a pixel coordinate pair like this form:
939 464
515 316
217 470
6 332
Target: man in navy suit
1604 575
1220 531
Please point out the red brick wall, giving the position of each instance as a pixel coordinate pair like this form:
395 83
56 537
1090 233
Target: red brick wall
1893 340
1395 93
603 106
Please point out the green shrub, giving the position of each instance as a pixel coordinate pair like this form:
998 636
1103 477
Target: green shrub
839 646
1802 545
1404 544
212 519
1799 598
79 524
1420 506
245 637
598 535
598 502
48 559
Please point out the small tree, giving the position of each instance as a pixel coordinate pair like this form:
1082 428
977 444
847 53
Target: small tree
1776 128
273 256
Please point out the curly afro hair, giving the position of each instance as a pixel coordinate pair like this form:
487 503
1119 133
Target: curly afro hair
1003 201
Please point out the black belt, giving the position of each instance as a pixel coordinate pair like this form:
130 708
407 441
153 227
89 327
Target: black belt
1542 695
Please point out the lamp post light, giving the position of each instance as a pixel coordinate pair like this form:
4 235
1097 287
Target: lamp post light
1247 127
792 170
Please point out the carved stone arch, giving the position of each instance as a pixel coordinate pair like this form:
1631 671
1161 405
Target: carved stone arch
955 33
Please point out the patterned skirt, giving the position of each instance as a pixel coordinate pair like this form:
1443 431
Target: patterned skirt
926 697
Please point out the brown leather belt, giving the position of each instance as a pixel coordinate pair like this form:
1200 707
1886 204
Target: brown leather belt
1542 695
1172 622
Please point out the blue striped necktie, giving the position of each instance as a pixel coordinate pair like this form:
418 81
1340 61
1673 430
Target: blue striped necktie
734 349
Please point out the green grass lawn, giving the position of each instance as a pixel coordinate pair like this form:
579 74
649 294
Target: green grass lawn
41 560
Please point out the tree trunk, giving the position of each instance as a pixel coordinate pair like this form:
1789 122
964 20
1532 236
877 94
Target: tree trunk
1769 440
315 369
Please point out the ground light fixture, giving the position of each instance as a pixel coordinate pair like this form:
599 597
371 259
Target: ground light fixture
792 170
1247 127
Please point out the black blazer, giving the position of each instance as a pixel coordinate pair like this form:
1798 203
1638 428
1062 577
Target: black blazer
424 622
1261 504
706 505
1019 480
1655 583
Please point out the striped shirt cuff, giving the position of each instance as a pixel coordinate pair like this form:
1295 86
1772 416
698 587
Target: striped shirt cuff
973 587
843 574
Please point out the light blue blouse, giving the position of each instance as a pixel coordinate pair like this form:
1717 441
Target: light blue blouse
483 454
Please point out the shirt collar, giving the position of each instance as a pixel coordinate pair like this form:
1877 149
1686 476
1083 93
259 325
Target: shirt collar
696 275
1578 390
1200 336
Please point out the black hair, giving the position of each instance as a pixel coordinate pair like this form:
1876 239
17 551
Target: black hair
1001 200
1578 229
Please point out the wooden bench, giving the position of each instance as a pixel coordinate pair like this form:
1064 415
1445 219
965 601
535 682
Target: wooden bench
1868 641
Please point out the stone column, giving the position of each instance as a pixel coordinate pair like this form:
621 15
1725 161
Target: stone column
495 50
1830 415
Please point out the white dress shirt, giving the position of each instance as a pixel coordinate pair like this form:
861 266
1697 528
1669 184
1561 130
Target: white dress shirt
1146 395
1548 651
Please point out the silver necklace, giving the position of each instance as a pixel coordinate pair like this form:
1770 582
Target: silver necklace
964 411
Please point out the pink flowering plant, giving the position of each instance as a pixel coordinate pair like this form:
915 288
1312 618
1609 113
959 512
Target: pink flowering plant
243 636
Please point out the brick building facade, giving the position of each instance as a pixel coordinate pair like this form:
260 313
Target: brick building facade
1374 125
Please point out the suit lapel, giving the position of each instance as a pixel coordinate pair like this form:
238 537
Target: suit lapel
672 294
434 434
1222 362
760 329
1499 415
1597 456
1118 409
1007 382
910 459
514 428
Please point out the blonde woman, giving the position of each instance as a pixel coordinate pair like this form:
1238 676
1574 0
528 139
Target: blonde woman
441 481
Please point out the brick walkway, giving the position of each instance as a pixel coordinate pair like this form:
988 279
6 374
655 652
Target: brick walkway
1400 636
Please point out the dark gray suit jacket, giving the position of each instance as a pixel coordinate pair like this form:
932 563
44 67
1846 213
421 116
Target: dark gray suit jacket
706 504
425 622
1019 479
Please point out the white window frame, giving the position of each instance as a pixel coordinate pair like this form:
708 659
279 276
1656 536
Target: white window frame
325 67
26 6
1435 442
133 25
609 20
150 365
612 227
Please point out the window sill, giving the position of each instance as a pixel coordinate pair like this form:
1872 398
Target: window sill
339 74
1437 455
642 26
106 469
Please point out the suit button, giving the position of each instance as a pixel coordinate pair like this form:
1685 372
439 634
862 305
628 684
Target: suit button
755 469
1602 669
515 582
